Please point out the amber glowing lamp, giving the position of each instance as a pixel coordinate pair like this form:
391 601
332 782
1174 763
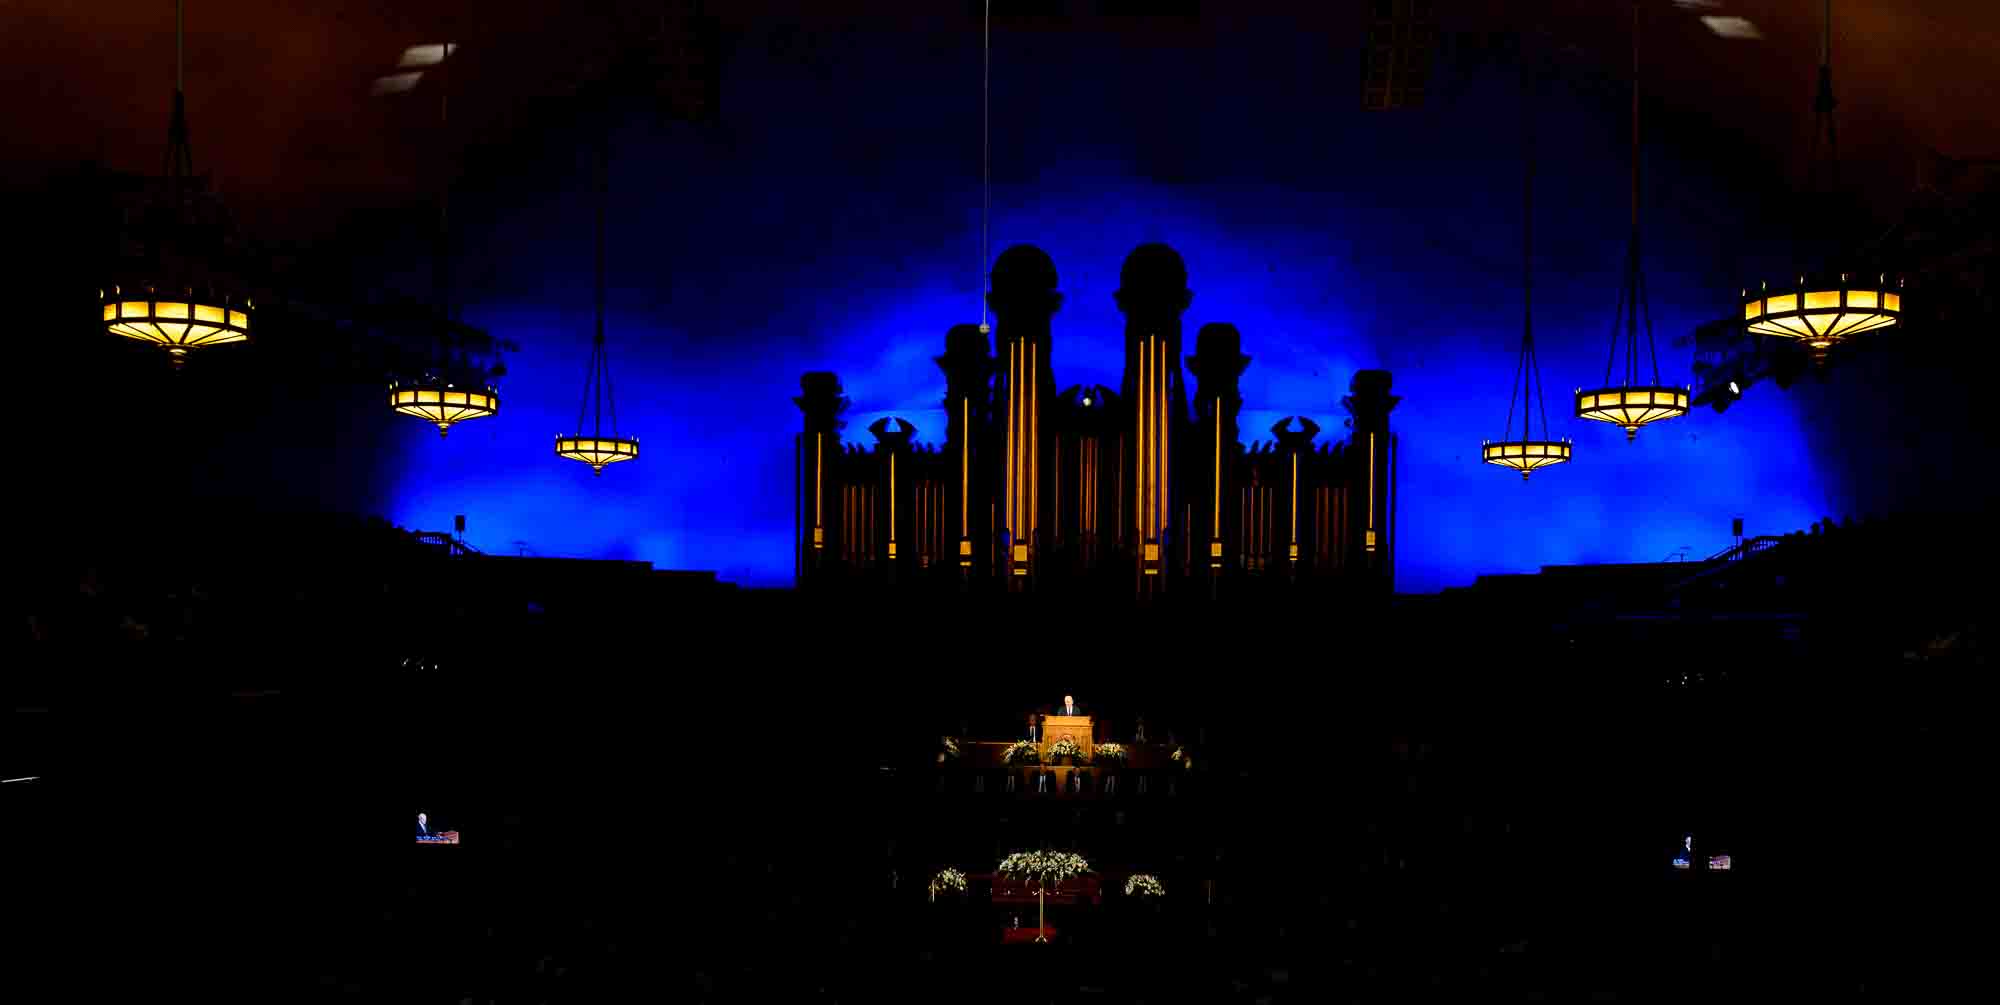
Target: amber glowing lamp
1823 315
443 404
176 323
1631 407
597 451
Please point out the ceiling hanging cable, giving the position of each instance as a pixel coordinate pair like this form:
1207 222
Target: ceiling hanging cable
593 403
985 157
180 154
1823 104
442 260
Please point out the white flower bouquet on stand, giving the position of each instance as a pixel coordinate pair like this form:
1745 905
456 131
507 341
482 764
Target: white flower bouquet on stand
1020 752
1048 868
948 880
1113 752
1141 884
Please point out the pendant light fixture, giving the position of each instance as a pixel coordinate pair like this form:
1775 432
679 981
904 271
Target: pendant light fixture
176 319
596 448
1632 404
1823 311
1528 453
439 395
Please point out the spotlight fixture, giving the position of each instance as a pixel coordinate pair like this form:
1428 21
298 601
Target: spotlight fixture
1527 453
598 449
185 321
1732 27
1632 404
425 55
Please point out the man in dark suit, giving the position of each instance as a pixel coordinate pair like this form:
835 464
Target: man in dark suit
1069 706
424 831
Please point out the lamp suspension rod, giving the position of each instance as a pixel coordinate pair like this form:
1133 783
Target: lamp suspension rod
443 277
985 155
1824 103
597 339
603 208
603 157
1514 390
1527 244
1632 266
180 160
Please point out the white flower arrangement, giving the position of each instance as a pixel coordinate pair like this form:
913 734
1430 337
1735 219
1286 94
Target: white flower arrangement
1065 747
951 746
948 880
1182 757
1049 868
1020 752
1144 885
1111 752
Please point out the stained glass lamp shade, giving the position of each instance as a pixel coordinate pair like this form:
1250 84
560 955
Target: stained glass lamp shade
1631 407
598 451
1525 456
442 403
1822 315
176 323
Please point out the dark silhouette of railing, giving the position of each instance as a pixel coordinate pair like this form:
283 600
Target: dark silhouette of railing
1749 547
444 542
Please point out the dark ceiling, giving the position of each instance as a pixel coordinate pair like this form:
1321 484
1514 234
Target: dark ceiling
281 114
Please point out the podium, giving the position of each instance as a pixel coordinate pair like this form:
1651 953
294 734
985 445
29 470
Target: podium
1076 727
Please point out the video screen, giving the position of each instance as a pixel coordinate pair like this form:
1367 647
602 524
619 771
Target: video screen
435 826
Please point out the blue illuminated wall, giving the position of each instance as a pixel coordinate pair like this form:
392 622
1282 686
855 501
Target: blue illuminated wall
837 226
